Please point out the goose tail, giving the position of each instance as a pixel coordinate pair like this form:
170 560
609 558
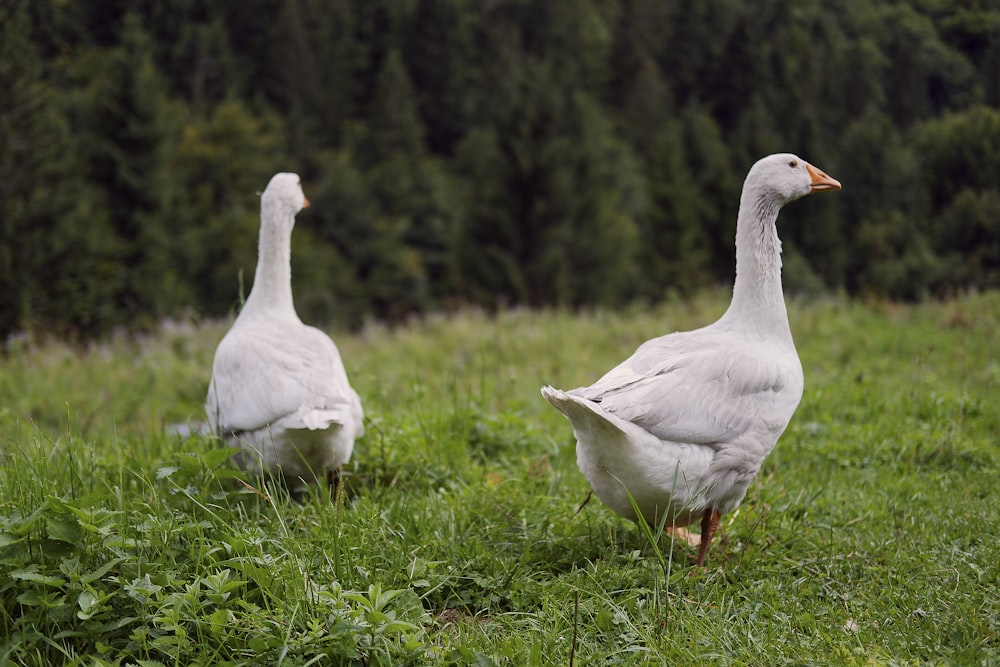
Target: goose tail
584 414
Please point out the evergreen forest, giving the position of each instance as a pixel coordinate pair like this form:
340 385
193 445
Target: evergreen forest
494 153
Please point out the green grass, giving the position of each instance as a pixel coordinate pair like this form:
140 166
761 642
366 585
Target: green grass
869 538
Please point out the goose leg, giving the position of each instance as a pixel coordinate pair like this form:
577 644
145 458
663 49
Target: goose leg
333 480
709 524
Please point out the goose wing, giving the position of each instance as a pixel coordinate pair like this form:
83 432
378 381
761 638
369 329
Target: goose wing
263 376
701 388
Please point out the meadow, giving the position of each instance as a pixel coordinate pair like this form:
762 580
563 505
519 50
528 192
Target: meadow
869 537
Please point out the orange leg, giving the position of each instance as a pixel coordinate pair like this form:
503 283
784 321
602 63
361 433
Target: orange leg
709 524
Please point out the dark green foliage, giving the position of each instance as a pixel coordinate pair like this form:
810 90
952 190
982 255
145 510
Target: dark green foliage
961 162
552 197
437 50
58 255
210 206
124 116
577 152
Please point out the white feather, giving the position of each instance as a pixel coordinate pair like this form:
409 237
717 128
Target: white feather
279 389
684 424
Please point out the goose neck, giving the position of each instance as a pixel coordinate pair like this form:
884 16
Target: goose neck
272 284
757 293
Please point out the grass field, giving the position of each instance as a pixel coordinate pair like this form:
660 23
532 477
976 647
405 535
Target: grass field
869 538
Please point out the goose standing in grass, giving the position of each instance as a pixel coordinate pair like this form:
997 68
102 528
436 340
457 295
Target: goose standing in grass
684 424
279 389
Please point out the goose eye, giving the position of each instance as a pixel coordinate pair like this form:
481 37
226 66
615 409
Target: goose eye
793 164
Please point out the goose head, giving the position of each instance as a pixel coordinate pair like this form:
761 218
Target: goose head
284 194
785 177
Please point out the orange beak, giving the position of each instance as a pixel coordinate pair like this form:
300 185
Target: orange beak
821 181
305 202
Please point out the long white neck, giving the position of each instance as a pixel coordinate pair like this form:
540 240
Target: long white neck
758 302
272 283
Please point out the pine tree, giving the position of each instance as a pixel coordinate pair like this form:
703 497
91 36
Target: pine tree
551 198
440 55
125 121
56 247
312 72
211 177
399 252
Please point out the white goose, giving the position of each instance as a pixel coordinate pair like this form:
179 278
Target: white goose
279 389
684 424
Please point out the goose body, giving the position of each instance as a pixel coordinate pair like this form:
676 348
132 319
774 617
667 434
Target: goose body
279 390
684 424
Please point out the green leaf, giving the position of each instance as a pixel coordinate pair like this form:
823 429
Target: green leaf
99 572
260 645
38 578
398 626
93 519
215 457
33 598
64 528
604 619
166 471
111 626
89 605
219 621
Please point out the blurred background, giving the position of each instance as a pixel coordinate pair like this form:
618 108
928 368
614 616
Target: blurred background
485 152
